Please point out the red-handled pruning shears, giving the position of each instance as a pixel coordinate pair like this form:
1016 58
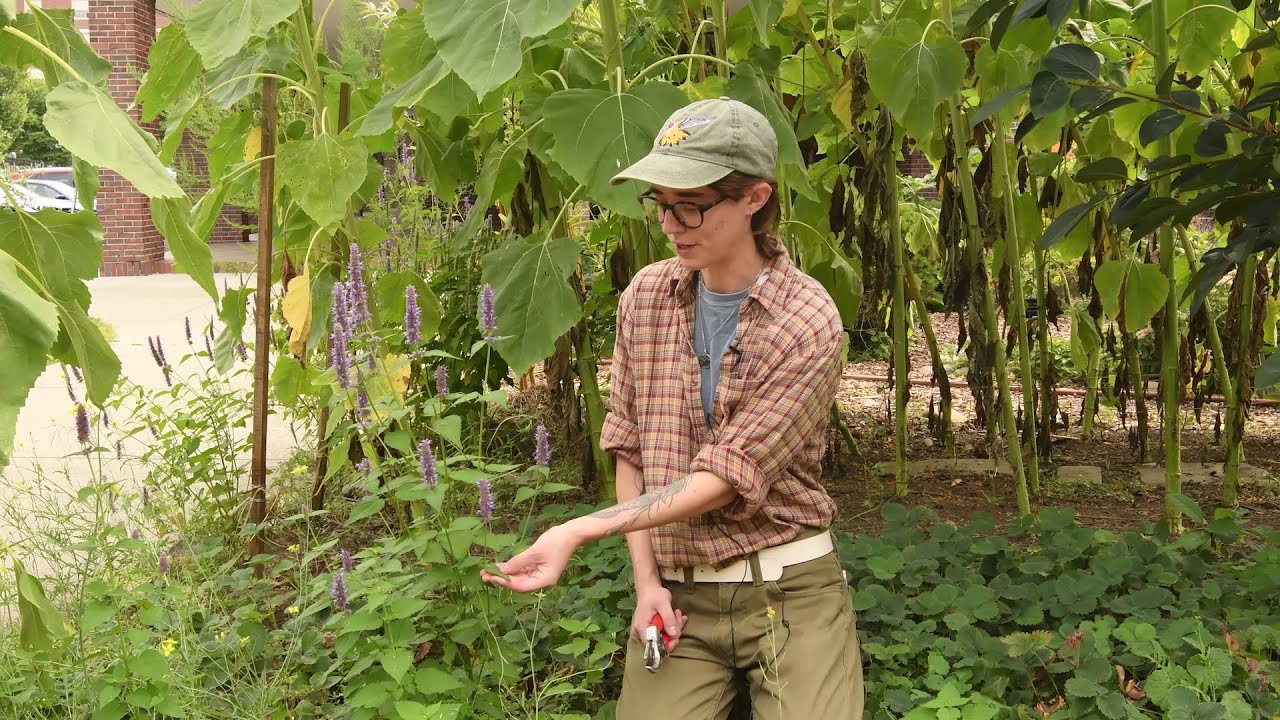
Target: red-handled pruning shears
657 644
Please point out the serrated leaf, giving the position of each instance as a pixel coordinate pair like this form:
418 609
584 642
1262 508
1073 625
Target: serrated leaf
28 327
1082 688
1159 124
534 302
64 250
391 303
1133 288
396 663
323 173
92 126
434 681
55 30
597 134
1072 62
481 39
379 118
1048 93
914 74
218 29
1211 669
172 68
149 665
232 315
1201 35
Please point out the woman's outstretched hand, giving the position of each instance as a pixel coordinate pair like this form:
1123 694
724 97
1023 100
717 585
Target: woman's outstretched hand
540 566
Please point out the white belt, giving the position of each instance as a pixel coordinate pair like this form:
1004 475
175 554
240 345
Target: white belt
772 561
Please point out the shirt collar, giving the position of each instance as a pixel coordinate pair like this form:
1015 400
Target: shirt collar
769 289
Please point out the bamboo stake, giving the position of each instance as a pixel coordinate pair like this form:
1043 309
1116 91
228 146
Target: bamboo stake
901 387
1238 400
262 320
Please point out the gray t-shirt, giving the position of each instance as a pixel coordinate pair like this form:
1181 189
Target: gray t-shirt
715 322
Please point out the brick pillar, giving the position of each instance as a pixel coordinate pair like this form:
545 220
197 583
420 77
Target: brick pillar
193 162
122 32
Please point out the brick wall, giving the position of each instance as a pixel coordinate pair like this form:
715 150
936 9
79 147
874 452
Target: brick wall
917 165
122 32
192 159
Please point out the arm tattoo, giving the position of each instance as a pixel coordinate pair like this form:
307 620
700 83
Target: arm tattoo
642 507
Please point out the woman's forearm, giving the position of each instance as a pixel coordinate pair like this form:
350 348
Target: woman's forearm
687 497
644 566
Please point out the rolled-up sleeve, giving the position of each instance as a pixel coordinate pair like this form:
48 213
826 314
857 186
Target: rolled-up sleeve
767 432
620 434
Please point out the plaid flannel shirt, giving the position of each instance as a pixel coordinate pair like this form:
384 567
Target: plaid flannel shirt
770 416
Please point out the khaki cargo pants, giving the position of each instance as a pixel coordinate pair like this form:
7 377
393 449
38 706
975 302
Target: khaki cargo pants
793 638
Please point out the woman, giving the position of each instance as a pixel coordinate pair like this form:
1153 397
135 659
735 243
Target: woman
726 364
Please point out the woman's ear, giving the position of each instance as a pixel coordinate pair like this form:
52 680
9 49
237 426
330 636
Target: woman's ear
758 195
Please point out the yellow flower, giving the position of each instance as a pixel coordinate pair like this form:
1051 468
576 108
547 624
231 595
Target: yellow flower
769 611
219 636
167 645
244 640
293 610
293 548
300 470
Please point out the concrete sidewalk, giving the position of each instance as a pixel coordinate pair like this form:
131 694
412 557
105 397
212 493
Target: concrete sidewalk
47 469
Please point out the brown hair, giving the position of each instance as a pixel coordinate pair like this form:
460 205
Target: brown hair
764 223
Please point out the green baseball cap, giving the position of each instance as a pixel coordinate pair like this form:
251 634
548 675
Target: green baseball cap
704 141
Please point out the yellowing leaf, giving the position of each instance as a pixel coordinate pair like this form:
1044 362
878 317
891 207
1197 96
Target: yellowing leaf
397 369
791 8
253 144
297 311
842 104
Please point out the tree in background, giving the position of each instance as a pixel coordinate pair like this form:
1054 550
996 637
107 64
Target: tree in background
22 130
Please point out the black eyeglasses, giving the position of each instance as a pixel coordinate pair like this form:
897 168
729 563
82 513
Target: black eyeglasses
688 214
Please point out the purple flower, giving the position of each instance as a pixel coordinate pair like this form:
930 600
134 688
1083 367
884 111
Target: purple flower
136 534
119 449
82 424
412 317
382 195
442 380
484 508
339 591
164 564
363 466
186 321
348 562
488 316
146 497
106 419
357 296
70 390
154 433
428 461
242 351
155 353
339 359
542 453
362 403
208 342
76 371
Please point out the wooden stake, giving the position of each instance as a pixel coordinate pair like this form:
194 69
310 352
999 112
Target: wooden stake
262 320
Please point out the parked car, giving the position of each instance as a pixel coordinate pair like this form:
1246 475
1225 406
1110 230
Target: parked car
60 192
63 175
31 201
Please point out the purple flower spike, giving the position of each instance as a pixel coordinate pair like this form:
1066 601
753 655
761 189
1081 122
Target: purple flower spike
339 359
163 564
488 315
71 391
363 466
542 453
339 591
484 509
76 371
186 321
136 534
430 475
208 343
442 380
357 295
412 316
242 351
348 562
82 424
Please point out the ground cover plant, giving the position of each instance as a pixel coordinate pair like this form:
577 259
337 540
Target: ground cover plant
445 257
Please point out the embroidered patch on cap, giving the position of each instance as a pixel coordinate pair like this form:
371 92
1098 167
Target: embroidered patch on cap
675 133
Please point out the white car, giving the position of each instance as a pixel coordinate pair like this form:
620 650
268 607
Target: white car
31 201
58 192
